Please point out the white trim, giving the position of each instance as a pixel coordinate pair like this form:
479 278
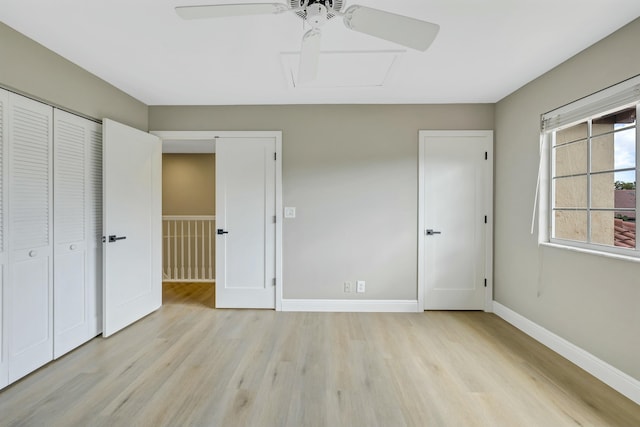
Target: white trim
189 217
354 306
421 225
610 375
612 255
422 134
603 101
277 135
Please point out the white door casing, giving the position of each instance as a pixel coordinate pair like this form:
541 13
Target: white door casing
4 109
76 290
455 202
30 285
246 217
132 213
276 136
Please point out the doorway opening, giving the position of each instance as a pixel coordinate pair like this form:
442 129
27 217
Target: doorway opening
236 245
188 223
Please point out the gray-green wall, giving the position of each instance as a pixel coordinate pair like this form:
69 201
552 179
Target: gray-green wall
29 68
352 173
591 301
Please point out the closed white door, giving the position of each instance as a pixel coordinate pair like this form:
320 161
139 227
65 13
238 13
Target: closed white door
132 205
4 108
456 204
245 222
75 287
30 284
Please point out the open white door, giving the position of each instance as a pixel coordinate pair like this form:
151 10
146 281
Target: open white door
455 243
246 222
132 206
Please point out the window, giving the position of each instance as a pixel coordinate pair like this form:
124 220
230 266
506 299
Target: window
593 165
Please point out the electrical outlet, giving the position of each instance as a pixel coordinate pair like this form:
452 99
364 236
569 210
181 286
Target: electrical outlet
360 286
347 287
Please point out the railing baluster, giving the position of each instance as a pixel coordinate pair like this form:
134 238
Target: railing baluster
175 251
195 244
211 257
182 249
202 243
189 248
168 254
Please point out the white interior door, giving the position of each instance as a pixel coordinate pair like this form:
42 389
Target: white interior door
75 288
456 175
245 222
30 284
132 206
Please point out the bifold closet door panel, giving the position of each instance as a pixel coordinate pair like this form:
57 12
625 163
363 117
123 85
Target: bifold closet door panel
93 223
29 285
76 240
4 365
70 314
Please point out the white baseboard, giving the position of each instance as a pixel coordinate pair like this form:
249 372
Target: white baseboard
331 305
613 377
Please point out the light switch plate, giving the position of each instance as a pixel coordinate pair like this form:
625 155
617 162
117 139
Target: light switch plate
289 212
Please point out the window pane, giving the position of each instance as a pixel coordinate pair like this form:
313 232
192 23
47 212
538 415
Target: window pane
625 199
570 192
571 159
614 151
603 191
570 225
602 228
625 233
574 133
618 120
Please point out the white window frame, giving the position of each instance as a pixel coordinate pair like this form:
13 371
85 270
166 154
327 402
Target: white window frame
618 97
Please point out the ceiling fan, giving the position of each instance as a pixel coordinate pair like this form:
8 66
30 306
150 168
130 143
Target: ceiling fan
403 30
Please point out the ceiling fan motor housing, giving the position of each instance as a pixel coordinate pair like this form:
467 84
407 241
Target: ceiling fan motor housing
314 8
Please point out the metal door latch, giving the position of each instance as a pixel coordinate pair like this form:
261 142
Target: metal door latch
430 232
113 238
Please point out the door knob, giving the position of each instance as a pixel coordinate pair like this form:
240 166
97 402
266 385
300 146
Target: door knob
221 231
430 232
114 238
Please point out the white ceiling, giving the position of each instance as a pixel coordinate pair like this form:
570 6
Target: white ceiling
485 50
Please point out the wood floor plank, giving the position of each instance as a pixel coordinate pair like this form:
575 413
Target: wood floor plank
191 365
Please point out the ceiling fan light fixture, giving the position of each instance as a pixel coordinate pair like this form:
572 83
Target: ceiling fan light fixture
317 15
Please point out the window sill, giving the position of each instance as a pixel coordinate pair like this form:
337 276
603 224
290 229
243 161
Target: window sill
591 252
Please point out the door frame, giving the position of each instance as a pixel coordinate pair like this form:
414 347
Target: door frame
211 135
423 136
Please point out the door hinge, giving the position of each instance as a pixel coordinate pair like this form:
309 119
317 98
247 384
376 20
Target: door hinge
485 283
486 155
485 219
274 281
274 219
275 156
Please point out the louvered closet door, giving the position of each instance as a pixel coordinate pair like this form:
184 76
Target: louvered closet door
4 365
93 225
75 284
29 287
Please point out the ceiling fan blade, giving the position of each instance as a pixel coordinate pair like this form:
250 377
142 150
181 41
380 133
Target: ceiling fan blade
225 10
403 30
309 56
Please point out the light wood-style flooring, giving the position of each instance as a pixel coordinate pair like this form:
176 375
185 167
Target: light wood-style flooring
190 365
